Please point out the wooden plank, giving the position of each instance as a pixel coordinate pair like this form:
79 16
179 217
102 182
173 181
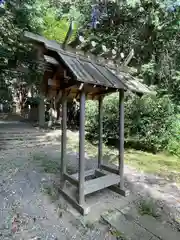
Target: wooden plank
100 145
114 188
82 148
87 174
109 169
121 137
83 209
71 179
126 226
63 137
100 183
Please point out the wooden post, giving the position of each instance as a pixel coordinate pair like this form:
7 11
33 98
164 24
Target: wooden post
82 148
121 138
63 136
41 110
100 132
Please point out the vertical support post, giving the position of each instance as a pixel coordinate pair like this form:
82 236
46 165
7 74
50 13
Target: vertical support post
121 138
41 110
63 136
100 132
82 148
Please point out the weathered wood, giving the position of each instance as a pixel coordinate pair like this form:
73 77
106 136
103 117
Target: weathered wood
109 169
97 184
129 57
83 209
114 188
88 173
121 138
82 148
71 179
100 131
63 136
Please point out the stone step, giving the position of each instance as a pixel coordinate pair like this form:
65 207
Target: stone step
23 138
126 227
29 144
151 224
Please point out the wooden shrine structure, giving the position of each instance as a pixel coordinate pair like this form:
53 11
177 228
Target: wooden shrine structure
67 76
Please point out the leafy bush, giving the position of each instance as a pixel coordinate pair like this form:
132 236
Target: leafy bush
174 141
91 119
148 122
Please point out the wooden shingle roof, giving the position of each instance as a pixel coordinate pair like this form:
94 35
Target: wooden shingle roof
89 71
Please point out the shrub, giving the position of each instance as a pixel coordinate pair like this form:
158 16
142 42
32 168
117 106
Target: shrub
91 120
148 122
173 146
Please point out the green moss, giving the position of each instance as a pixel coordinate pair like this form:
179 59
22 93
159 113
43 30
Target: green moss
147 208
119 235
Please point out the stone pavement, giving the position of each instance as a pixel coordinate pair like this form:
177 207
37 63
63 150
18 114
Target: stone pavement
130 225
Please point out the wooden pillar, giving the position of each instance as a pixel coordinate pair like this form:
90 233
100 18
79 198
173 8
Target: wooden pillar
41 110
82 148
121 138
63 136
100 132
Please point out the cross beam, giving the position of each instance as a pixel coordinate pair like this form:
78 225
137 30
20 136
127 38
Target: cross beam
105 176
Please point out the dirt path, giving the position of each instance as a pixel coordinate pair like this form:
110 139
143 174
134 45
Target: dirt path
30 207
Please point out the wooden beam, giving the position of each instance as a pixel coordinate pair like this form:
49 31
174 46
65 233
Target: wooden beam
63 137
97 184
83 209
82 148
100 132
129 57
71 179
109 169
121 138
114 188
89 173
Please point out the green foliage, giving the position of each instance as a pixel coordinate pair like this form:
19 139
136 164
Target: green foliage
55 29
148 122
148 208
92 119
25 15
57 22
174 141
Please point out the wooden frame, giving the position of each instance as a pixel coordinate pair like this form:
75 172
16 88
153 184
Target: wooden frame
88 182
87 79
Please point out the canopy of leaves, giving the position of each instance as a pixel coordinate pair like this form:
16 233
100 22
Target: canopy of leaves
14 52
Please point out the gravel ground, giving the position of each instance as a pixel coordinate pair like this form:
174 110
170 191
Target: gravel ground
30 209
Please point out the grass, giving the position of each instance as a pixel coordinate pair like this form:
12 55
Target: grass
50 191
48 165
147 208
117 234
160 164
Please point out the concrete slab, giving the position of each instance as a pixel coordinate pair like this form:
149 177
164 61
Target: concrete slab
151 224
126 226
163 231
101 202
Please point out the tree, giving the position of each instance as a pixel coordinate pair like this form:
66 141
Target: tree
17 57
149 27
